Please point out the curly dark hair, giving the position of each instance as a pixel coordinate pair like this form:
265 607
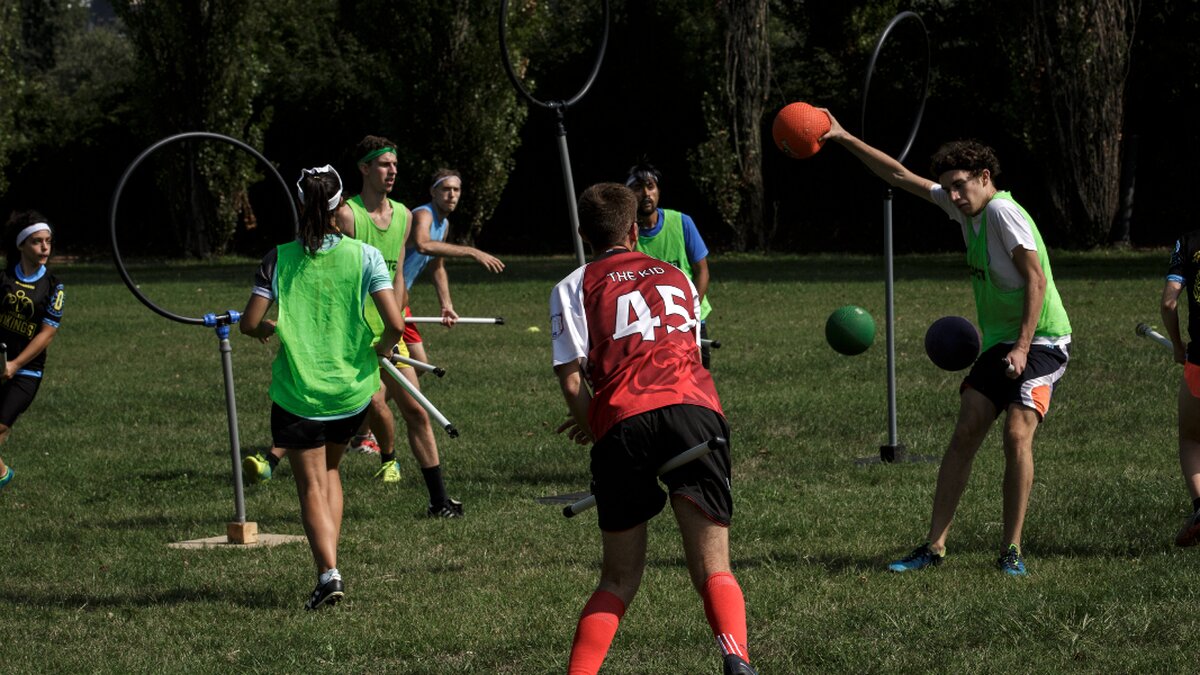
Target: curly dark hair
969 155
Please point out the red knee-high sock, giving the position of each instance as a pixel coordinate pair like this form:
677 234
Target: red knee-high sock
725 608
597 626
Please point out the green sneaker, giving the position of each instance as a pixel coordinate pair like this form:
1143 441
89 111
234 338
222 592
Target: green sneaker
389 472
6 478
256 468
1011 563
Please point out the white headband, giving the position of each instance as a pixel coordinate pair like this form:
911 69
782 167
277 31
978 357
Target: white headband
439 181
27 232
336 198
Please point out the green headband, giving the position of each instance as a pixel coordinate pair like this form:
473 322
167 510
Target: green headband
375 153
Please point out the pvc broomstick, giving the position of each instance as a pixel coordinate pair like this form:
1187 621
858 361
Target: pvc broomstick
498 320
416 394
419 365
673 463
1143 330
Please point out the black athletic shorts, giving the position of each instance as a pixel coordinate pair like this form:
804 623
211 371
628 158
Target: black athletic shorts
1044 367
625 462
15 397
292 432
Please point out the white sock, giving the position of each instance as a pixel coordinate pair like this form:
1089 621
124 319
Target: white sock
331 573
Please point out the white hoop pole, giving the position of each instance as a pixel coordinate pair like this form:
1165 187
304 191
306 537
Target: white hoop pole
673 463
420 398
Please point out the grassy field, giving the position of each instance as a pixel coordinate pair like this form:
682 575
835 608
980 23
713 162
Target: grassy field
126 450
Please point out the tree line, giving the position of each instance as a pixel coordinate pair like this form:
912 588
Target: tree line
1079 97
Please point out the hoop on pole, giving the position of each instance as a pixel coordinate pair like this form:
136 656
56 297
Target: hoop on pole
559 107
896 20
116 203
239 531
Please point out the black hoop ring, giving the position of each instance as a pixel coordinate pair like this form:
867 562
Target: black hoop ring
112 216
924 88
512 74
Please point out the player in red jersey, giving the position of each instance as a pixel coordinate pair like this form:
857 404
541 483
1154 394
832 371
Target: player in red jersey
627 324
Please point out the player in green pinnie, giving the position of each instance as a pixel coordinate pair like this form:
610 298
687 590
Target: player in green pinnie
326 370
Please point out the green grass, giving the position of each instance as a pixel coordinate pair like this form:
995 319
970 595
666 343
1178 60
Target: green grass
126 449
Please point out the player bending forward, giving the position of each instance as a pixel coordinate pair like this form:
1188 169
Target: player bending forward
652 400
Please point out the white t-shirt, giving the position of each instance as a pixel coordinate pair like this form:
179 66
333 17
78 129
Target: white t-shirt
1007 229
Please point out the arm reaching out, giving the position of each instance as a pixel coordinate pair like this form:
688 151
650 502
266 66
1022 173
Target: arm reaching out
427 245
877 161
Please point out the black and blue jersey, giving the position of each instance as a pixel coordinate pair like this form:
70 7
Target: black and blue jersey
27 303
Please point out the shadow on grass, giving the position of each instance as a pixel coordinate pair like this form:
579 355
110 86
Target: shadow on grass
549 475
240 596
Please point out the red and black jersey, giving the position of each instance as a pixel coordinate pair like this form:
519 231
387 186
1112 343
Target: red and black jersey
633 319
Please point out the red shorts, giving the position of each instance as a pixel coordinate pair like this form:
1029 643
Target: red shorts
1191 375
412 336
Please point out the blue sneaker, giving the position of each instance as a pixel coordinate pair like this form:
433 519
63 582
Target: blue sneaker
7 477
1010 562
919 559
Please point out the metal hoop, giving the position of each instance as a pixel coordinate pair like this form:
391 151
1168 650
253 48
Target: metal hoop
121 188
924 88
512 74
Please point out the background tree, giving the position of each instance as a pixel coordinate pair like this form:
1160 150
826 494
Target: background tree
10 83
1073 64
198 70
729 163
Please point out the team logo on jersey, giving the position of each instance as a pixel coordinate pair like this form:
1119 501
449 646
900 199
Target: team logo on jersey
20 304
556 325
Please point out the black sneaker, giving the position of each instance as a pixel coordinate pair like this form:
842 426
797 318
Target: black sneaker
327 593
451 508
736 665
1011 562
1189 534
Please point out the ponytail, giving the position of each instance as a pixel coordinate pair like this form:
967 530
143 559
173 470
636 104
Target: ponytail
320 193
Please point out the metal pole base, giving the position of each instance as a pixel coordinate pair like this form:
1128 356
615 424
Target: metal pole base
897 454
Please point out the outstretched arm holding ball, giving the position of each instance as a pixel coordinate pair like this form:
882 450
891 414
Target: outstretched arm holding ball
1026 334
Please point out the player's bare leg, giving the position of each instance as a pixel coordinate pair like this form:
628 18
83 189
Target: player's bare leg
1019 428
975 416
706 550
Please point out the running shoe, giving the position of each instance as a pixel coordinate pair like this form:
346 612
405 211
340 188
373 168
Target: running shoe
1010 562
736 665
451 508
8 474
326 594
256 468
364 445
919 559
1189 534
389 472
